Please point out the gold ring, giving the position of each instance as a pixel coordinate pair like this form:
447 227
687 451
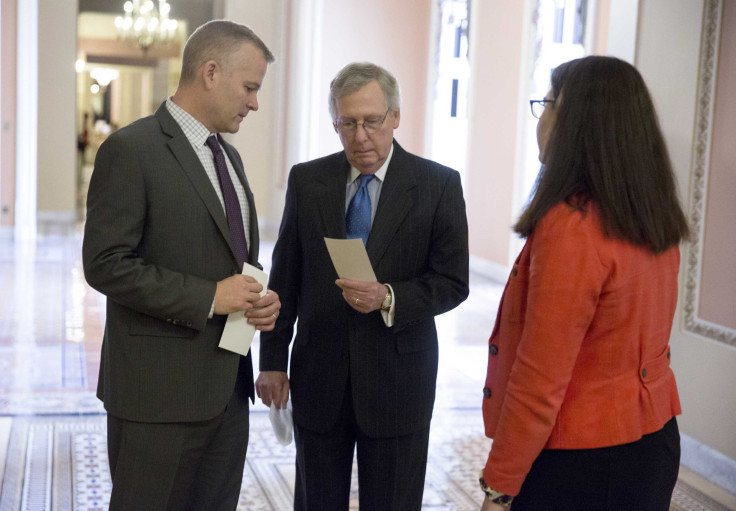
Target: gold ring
357 300
274 315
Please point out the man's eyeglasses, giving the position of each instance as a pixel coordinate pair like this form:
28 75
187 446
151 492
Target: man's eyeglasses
538 106
370 125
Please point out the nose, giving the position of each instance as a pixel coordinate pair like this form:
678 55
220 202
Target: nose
252 102
360 133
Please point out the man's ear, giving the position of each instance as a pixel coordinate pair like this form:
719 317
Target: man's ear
209 72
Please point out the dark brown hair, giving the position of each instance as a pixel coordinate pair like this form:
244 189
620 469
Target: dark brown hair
606 147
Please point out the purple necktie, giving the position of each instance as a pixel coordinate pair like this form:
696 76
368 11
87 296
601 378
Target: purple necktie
232 204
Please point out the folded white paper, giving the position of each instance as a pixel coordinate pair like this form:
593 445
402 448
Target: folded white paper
238 333
281 422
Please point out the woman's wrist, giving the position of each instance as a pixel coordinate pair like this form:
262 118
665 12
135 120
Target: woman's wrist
496 497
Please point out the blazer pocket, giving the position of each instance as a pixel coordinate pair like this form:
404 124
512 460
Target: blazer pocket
652 370
419 338
149 326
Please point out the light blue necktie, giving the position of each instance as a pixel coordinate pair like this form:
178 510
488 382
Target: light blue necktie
358 217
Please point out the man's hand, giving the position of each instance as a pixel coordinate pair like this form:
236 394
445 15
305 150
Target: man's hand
237 293
273 386
362 296
265 311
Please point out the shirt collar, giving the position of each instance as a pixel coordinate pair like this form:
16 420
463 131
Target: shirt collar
380 173
195 131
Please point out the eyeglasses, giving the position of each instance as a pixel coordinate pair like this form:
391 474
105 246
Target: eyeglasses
538 106
370 125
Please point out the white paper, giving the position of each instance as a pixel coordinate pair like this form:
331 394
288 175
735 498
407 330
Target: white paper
281 422
238 333
350 259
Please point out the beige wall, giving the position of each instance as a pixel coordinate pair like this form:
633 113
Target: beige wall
667 55
8 110
56 119
497 44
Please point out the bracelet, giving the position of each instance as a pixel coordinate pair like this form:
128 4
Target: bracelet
496 496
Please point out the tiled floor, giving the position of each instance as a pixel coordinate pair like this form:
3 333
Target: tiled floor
52 428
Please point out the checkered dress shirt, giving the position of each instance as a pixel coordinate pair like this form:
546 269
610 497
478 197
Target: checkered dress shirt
197 135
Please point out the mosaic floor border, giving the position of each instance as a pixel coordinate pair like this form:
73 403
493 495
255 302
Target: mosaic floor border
60 463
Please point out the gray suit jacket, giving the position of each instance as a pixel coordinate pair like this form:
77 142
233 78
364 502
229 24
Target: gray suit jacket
418 243
156 242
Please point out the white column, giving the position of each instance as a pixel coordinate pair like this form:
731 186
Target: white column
56 100
27 119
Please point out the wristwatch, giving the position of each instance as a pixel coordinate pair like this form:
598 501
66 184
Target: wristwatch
386 305
496 496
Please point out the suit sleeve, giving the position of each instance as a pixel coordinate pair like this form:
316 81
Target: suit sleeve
285 279
566 277
443 284
116 219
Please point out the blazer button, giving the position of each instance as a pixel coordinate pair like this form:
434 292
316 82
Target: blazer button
493 349
643 373
514 271
486 392
168 320
189 323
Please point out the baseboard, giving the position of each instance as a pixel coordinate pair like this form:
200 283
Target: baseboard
708 463
489 269
52 217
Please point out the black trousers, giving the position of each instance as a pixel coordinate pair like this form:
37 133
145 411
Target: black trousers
639 476
390 470
194 466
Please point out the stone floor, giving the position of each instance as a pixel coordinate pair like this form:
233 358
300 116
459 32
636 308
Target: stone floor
52 428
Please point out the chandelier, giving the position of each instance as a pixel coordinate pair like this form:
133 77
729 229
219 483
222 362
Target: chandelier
145 24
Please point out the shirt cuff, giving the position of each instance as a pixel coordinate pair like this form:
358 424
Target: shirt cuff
388 316
212 310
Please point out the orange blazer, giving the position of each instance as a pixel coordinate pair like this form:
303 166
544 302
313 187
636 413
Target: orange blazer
579 355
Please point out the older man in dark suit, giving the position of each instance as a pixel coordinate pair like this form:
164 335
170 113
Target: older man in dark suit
364 360
170 222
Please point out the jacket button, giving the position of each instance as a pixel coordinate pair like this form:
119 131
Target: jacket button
189 323
514 271
493 349
486 392
168 320
643 373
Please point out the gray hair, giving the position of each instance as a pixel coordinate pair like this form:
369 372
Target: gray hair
217 40
357 75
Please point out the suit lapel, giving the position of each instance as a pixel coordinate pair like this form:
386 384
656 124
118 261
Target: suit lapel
394 204
330 185
190 164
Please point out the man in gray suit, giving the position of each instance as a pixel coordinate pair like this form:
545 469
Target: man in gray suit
170 222
364 360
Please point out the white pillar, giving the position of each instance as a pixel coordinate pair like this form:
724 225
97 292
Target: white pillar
56 100
27 119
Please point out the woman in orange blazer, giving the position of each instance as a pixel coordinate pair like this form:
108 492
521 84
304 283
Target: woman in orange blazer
580 399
